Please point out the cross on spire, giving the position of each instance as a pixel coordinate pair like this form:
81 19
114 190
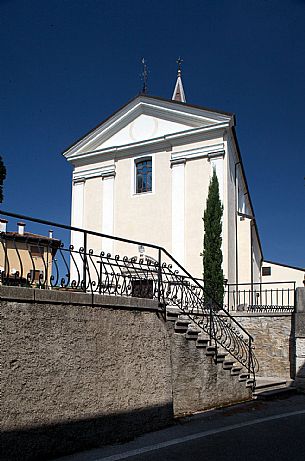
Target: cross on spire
144 76
178 94
179 62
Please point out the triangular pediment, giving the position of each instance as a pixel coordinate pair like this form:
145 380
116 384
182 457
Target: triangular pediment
145 118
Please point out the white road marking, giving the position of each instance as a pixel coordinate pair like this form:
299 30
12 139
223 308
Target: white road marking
199 435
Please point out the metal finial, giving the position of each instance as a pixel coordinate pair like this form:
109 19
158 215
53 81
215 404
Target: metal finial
144 76
179 62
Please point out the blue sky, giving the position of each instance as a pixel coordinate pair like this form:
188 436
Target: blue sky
66 65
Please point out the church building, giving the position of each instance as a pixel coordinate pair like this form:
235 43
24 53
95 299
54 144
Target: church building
144 172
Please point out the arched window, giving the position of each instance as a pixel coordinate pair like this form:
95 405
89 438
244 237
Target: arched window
143 175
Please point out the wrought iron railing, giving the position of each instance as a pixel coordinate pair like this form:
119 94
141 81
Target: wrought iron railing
34 260
265 297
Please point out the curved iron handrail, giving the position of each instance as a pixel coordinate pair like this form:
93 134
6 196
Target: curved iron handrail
221 327
129 276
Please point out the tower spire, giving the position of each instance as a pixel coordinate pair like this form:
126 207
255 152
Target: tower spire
178 94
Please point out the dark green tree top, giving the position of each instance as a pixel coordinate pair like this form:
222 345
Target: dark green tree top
2 178
212 253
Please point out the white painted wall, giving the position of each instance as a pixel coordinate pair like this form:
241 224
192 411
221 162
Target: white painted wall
197 178
147 216
256 257
244 249
143 127
280 273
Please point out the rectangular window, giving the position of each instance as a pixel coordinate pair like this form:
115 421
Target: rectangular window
36 250
143 173
266 270
36 276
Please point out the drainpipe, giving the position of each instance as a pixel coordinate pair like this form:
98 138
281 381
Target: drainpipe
251 244
252 218
236 234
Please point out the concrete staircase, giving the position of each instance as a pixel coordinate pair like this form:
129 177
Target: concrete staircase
184 326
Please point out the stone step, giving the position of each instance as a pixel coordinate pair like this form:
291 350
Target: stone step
235 370
228 364
220 357
243 377
280 393
266 383
182 324
192 333
202 342
183 317
180 328
250 382
172 313
210 351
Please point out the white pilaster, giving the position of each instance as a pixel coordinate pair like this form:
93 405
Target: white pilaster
178 196
77 238
217 164
77 214
108 211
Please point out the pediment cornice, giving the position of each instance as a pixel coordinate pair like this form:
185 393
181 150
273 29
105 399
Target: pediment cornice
166 142
193 117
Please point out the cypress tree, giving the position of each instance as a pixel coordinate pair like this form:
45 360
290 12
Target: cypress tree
212 254
2 178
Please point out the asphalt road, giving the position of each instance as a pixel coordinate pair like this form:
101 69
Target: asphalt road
257 430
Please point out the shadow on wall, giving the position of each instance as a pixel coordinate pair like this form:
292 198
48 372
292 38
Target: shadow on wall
50 441
299 375
300 378
298 332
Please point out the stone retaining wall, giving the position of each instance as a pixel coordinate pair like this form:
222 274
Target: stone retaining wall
79 371
273 341
299 326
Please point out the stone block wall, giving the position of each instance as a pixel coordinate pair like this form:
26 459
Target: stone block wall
80 371
273 341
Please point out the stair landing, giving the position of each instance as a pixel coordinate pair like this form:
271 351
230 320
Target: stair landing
272 387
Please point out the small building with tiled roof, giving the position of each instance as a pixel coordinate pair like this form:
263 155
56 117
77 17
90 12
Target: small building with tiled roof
26 258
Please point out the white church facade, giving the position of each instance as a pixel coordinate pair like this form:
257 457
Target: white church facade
144 173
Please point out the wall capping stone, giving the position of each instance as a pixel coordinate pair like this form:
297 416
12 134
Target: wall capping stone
35 295
261 314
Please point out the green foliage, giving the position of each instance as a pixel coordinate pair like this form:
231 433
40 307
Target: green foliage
2 178
212 254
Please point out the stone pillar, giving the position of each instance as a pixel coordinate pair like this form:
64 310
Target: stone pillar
299 327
